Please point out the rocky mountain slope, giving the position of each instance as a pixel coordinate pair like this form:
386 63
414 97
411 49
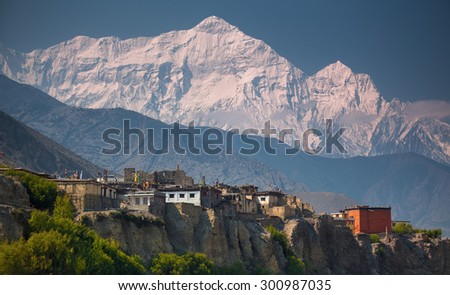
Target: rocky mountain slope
216 75
29 149
416 187
80 130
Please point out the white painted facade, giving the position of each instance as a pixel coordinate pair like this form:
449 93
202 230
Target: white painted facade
191 197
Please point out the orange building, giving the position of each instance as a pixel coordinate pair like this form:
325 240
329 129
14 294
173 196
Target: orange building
368 220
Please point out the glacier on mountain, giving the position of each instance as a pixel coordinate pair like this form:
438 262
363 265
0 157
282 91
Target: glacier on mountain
216 75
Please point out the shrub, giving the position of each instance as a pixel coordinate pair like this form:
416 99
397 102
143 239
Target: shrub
432 233
374 238
234 269
58 245
187 264
406 228
42 191
281 238
295 265
63 207
86 221
43 253
403 228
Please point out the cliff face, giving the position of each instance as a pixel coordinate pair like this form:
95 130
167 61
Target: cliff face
14 209
226 239
219 234
329 249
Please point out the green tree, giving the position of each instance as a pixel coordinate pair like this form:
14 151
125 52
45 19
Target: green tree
374 238
42 191
187 264
63 207
295 264
235 269
43 253
58 245
403 228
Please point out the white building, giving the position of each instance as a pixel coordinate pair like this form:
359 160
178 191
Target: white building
198 196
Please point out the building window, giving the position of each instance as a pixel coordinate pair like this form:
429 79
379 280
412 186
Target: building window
137 201
181 195
145 201
171 196
263 199
191 195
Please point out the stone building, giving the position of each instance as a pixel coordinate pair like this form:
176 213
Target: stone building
268 199
88 194
248 189
244 205
151 201
158 178
235 196
284 212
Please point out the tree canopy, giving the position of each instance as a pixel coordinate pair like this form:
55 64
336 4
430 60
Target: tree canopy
59 245
187 264
42 191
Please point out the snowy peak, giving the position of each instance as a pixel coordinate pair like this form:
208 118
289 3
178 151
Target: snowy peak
217 76
335 71
214 25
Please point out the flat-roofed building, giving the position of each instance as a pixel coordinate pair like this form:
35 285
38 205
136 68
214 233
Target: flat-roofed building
152 201
88 194
205 196
368 220
268 199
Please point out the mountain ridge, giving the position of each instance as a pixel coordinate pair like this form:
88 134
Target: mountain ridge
27 148
216 75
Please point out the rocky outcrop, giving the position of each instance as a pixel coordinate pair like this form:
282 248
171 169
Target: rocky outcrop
14 209
13 193
134 235
227 239
222 236
13 222
330 249
406 255
218 233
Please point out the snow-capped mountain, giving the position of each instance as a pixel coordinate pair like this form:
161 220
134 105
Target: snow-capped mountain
216 75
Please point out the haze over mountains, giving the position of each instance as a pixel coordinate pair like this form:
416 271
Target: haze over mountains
416 187
26 148
216 75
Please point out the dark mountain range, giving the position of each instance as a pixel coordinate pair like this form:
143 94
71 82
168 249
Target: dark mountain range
29 149
417 188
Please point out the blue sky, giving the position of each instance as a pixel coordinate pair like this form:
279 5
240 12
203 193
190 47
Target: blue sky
403 45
